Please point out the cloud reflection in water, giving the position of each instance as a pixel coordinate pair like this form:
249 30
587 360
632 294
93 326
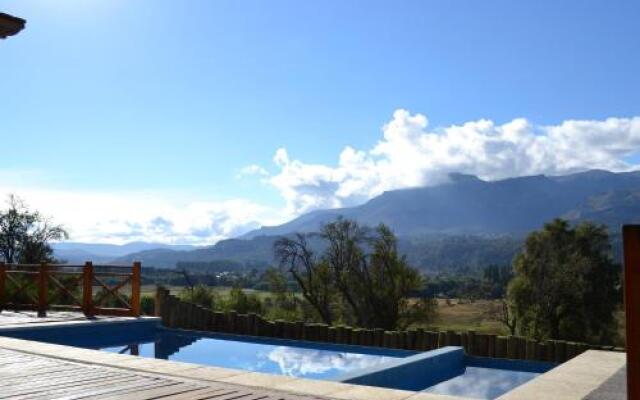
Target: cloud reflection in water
304 362
482 383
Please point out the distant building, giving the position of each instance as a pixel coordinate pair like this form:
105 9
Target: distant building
10 25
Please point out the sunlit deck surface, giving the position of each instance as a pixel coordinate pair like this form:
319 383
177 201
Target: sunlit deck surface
10 318
29 376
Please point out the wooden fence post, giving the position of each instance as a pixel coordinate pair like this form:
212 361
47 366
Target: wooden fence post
161 294
3 278
551 351
87 289
501 347
512 347
530 352
491 346
378 337
42 290
135 288
521 344
561 351
631 242
471 342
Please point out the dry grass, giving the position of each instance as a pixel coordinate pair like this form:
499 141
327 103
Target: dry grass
463 315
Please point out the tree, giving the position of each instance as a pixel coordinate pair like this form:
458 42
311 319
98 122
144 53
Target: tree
565 284
282 304
496 279
242 302
360 277
201 295
313 277
25 235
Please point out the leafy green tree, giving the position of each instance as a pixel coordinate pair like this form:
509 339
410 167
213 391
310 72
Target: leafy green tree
201 295
565 284
359 278
243 302
282 303
496 280
25 235
147 305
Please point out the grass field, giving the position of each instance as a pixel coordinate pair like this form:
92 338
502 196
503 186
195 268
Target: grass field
458 315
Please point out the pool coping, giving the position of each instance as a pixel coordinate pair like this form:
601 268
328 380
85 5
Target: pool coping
574 379
302 386
391 369
30 326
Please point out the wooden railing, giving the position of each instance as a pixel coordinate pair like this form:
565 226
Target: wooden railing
631 241
94 290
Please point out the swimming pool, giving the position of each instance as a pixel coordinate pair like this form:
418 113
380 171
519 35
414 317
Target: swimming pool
444 371
280 357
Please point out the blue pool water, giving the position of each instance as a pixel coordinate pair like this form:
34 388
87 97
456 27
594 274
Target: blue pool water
274 357
449 371
444 371
482 383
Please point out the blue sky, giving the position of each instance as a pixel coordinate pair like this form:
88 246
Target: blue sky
161 105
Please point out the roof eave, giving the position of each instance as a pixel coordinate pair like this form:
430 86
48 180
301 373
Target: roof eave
10 25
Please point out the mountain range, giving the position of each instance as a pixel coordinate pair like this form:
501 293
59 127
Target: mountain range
78 253
469 205
466 222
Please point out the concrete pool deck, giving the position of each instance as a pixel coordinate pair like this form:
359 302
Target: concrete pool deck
594 375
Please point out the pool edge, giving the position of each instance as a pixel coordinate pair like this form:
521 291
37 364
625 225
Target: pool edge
574 379
37 326
196 372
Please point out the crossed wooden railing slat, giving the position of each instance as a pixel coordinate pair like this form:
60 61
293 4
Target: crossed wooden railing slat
47 281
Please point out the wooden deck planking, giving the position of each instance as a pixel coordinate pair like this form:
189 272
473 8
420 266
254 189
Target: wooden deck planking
202 394
30 383
62 392
113 389
86 389
26 376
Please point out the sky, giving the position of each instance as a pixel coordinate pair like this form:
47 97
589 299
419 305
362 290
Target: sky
188 122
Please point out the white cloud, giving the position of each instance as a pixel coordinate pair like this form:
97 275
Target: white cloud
131 216
252 170
412 154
